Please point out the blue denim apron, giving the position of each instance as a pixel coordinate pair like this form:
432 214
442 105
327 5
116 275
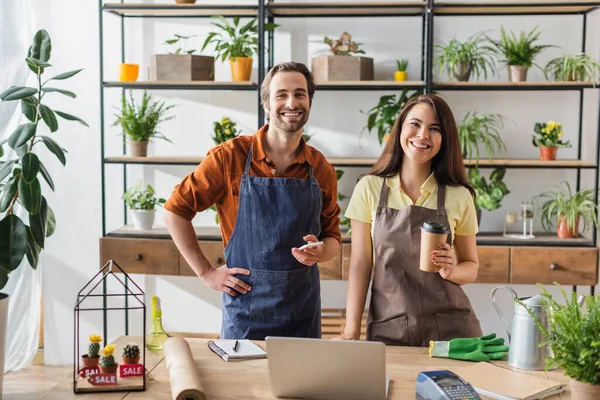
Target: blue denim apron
274 214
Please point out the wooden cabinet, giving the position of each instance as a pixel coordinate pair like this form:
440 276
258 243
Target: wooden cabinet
141 256
213 251
567 266
493 264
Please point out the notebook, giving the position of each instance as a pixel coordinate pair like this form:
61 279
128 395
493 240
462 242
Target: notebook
246 350
502 383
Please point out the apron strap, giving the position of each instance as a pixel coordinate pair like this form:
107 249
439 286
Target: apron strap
248 161
441 200
310 172
384 194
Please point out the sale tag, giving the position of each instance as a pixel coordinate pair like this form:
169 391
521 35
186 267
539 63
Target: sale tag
131 370
85 372
103 379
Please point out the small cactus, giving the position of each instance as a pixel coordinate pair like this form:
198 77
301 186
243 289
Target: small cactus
94 346
131 351
107 361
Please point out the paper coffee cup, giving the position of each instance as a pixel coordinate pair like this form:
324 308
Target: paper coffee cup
432 233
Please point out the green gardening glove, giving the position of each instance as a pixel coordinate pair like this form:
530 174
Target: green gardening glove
483 348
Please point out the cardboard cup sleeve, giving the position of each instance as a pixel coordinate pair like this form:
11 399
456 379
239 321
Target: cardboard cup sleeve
183 374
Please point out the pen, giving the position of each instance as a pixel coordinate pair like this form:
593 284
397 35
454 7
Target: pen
235 346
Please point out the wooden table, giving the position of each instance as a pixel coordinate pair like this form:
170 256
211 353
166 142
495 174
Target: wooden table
250 379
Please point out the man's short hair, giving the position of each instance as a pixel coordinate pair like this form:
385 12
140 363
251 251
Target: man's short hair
287 67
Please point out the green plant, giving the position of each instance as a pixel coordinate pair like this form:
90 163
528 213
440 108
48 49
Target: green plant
402 64
476 129
384 114
572 334
108 360
519 51
233 41
344 46
94 346
19 177
570 206
548 134
180 48
576 67
131 351
224 130
137 198
140 122
473 55
488 195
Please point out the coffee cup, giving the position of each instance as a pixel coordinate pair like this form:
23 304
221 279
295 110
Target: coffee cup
432 233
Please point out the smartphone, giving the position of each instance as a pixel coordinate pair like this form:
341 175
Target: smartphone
309 245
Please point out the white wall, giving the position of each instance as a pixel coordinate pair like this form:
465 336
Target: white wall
72 253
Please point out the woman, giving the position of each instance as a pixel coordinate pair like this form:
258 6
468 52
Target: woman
419 178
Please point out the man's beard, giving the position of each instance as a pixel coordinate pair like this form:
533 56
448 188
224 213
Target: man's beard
280 122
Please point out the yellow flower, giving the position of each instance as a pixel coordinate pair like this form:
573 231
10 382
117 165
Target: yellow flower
108 350
95 338
560 134
544 131
228 131
224 120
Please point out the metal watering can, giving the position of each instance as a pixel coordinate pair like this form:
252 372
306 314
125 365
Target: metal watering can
525 337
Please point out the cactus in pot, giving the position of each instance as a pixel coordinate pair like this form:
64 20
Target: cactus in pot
107 362
131 354
92 357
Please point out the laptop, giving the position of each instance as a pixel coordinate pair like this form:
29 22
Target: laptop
326 369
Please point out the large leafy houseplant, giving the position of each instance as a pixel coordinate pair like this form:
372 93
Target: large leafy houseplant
489 195
20 177
384 114
461 59
481 129
575 67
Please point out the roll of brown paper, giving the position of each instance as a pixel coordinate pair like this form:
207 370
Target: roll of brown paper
183 374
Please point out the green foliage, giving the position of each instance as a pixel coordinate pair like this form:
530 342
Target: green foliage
131 351
519 51
93 350
481 129
140 122
572 334
560 204
20 177
137 198
180 48
224 130
107 361
489 195
233 41
402 64
384 114
576 67
548 134
474 54
344 46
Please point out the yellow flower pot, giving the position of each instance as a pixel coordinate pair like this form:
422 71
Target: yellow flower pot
241 69
400 76
128 72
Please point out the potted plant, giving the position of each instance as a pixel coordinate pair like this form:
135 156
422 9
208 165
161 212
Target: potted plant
181 64
140 122
142 204
519 53
21 172
547 136
577 67
131 354
108 365
400 74
342 65
572 334
384 114
566 210
488 195
461 59
92 357
481 129
237 44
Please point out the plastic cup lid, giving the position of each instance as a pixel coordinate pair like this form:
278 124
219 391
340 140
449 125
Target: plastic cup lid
434 227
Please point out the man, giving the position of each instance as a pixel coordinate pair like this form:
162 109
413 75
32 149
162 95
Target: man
274 193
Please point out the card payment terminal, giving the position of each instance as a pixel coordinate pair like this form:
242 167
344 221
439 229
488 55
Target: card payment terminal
444 385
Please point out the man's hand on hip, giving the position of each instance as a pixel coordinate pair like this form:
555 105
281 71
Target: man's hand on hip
223 280
311 255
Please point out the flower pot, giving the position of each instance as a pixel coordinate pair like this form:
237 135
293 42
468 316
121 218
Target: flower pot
128 72
548 153
563 231
89 362
517 73
129 361
342 68
109 370
400 76
3 322
462 71
241 69
138 149
142 219
181 68
583 391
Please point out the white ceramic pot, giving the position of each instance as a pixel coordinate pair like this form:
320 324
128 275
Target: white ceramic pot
3 327
142 219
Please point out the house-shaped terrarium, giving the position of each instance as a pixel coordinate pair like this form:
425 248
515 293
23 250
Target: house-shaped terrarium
115 360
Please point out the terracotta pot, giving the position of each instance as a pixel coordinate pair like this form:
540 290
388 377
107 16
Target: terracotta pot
583 391
89 362
400 76
241 69
109 370
517 73
128 72
563 231
138 149
548 153
129 361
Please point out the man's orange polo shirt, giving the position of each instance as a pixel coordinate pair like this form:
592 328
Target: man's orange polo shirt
217 181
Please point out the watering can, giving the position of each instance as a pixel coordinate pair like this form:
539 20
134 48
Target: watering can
525 337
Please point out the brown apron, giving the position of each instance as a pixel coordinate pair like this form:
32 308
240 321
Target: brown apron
408 306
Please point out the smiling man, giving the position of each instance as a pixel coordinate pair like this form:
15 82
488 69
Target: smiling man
274 194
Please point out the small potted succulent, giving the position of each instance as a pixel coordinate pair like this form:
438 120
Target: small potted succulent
131 354
547 136
108 365
342 65
92 357
400 75
142 203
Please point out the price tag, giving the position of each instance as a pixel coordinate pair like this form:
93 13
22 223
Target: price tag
103 379
86 372
131 370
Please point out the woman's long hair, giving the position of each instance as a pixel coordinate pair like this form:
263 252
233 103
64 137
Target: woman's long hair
447 165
